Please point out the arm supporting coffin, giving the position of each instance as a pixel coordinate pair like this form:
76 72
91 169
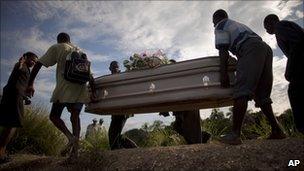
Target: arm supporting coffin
188 85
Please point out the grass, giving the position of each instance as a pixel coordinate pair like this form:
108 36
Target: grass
97 141
38 135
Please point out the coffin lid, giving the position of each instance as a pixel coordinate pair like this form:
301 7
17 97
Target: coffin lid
203 62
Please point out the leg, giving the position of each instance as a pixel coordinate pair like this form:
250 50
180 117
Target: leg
58 122
276 131
116 126
262 96
295 93
239 110
178 123
191 127
75 109
5 138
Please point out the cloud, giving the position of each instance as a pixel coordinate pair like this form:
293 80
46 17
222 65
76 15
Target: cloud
44 87
94 56
280 86
26 40
108 29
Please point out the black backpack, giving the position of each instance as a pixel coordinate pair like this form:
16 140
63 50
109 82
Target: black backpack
77 67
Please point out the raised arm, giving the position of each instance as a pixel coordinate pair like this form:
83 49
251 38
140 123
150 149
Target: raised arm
30 89
224 56
93 95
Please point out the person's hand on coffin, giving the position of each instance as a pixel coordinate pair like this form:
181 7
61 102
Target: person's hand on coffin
93 95
224 78
225 82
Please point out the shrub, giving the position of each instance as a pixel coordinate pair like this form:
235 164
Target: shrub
96 141
139 136
38 135
164 137
255 125
216 124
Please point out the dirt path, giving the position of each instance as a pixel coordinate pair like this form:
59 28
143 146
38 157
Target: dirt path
252 155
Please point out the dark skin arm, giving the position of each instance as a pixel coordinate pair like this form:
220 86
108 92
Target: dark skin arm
30 89
93 89
224 56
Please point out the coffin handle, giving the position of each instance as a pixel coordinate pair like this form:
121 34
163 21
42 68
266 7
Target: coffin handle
105 94
152 87
206 80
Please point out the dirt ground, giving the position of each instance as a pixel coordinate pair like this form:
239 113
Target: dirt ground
251 155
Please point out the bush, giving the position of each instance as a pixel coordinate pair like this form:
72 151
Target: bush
255 125
139 136
164 137
96 141
216 124
38 135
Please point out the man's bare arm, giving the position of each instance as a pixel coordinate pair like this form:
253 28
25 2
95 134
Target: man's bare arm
30 90
224 56
93 89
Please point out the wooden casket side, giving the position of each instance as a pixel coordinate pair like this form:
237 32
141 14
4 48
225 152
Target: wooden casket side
187 85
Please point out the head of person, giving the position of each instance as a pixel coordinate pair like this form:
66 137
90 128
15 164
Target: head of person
30 59
218 16
100 121
172 61
63 38
94 121
114 67
269 23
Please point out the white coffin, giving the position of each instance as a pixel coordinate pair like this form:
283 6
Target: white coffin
187 85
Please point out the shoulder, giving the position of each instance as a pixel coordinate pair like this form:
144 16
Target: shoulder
16 65
288 27
286 24
221 24
62 46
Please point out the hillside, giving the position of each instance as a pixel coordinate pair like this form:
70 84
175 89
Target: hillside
252 155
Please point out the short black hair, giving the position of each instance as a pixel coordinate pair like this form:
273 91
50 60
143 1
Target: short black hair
63 38
29 54
172 61
271 18
113 64
220 14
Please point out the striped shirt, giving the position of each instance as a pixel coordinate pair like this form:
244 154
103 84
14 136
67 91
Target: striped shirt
230 35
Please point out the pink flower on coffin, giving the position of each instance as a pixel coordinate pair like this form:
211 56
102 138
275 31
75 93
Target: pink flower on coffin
159 54
143 55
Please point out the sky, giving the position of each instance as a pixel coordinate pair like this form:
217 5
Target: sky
114 30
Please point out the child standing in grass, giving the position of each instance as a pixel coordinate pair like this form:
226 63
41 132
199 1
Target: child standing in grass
12 108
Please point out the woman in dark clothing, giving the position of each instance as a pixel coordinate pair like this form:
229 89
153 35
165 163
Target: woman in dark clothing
12 108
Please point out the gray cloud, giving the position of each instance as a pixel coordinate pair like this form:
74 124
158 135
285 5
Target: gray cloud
182 29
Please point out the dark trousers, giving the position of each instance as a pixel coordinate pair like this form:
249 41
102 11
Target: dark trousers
187 124
296 95
116 126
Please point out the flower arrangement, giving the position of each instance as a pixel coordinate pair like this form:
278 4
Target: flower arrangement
146 60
